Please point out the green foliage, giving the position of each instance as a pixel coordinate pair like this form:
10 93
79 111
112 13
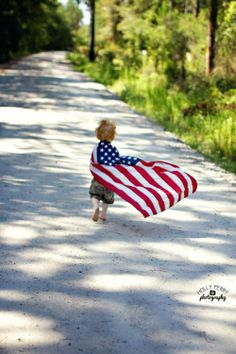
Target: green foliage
73 17
195 30
200 114
153 54
104 72
29 26
73 14
227 39
210 128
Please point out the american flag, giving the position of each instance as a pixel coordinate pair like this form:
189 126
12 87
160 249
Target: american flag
151 187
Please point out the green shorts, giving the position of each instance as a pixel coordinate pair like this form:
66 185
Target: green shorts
98 191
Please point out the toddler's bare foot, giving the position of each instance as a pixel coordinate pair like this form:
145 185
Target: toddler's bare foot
103 219
95 214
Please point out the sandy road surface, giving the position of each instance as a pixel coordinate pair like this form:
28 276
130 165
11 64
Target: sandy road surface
68 285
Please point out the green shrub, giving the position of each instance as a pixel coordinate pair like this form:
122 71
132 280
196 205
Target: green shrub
198 112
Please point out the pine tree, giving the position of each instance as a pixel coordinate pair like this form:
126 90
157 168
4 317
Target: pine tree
211 36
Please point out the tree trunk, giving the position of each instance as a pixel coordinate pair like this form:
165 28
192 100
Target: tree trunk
183 70
171 4
92 31
116 19
196 8
186 6
211 36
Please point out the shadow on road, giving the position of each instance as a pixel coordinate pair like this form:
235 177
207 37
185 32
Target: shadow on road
69 285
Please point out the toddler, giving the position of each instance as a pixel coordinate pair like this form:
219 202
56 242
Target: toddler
105 153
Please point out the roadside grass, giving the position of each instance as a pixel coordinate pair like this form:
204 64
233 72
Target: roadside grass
199 113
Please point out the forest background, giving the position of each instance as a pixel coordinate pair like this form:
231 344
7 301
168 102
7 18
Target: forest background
172 60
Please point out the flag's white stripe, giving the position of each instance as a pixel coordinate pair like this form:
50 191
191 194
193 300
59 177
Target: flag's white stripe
145 183
127 182
171 169
178 169
95 155
119 175
162 194
137 175
142 180
176 180
126 190
189 181
162 183
151 197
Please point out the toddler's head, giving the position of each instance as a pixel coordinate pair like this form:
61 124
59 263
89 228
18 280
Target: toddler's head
106 130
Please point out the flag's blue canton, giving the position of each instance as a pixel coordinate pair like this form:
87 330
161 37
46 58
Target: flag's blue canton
107 154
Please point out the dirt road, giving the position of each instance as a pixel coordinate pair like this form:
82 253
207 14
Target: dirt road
69 285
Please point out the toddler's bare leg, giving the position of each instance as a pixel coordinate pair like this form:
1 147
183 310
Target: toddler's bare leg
104 211
95 203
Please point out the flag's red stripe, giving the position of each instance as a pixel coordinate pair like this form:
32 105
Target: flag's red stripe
157 197
145 198
121 193
142 169
112 187
151 163
170 182
155 183
184 182
147 163
122 170
194 182
128 175
167 163
109 173
137 182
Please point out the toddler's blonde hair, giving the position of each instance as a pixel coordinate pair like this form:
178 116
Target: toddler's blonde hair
106 130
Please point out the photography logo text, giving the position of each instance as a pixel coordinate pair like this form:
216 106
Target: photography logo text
212 293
